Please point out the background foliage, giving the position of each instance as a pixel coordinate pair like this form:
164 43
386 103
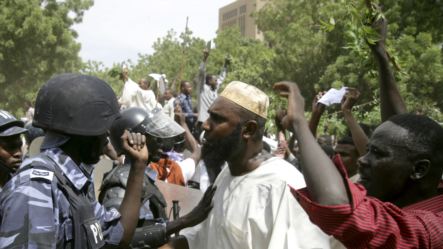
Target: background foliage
36 41
317 43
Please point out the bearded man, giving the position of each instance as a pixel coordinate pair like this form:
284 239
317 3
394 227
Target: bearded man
252 207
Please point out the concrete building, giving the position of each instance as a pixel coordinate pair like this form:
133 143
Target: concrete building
240 13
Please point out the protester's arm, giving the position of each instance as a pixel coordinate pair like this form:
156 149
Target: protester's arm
134 145
323 180
391 102
191 142
224 71
358 135
197 215
201 78
317 111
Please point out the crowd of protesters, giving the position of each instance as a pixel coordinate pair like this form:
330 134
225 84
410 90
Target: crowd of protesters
374 187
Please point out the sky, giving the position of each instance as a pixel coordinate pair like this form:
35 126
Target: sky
118 30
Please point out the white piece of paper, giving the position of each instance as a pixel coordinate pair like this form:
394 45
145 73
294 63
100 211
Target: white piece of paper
156 76
333 96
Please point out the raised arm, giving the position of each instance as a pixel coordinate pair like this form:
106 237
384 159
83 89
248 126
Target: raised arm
135 147
323 180
190 141
358 135
224 71
391 102
201 77
317 111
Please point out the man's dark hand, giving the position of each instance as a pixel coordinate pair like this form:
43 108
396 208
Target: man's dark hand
205 54
279 115
201 211
380 25
134 145
349 99
227 61
317 107
296 103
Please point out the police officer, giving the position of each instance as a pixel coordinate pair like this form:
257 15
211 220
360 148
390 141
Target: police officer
161 132
50 202
11 153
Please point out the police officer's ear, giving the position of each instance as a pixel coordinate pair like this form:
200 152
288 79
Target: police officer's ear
420 169
249 129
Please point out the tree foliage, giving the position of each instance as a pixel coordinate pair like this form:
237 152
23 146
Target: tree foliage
36 41
321 44
318 44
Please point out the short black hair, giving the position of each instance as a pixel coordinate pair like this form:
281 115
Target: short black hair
182 83
208 78
426 136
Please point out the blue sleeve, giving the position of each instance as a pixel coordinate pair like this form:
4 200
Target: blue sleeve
29 217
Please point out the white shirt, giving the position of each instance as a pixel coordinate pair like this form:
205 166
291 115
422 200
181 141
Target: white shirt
131 95
188 168
149 100
257 211
206 94
168 108
207 97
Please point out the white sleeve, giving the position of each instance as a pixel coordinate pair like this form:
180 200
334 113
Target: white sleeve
188 168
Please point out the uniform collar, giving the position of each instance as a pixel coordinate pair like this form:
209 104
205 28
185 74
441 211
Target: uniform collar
78 175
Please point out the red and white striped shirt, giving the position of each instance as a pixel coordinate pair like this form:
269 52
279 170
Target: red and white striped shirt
370 223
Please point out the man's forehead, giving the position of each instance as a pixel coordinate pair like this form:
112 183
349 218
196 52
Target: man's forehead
9 139
391 134
222 104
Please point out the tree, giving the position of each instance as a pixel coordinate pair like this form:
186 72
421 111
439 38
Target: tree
321 44
36 41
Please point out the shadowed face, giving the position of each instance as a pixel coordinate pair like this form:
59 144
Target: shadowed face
11 152
222 139
186 88
385 170
90 147
349 155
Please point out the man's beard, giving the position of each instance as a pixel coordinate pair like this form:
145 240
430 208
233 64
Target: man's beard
216 153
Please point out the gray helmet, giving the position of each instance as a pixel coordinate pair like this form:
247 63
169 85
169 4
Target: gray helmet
9 125
156 124
76 104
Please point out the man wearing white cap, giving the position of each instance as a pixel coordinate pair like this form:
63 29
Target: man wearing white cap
253 207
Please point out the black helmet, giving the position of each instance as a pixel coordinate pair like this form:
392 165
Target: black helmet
9 125
156 124
76 104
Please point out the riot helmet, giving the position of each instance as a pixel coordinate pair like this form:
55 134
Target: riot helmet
76 104
157 126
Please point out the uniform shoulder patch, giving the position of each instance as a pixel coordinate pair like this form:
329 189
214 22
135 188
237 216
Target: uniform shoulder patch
41 174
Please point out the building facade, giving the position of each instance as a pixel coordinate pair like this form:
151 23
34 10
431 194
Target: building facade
240 13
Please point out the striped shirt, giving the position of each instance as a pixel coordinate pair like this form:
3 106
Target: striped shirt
370 223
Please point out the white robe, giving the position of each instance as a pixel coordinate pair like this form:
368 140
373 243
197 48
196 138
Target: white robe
257 211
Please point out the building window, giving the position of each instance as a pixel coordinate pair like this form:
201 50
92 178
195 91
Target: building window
230 14
243 9
242 24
